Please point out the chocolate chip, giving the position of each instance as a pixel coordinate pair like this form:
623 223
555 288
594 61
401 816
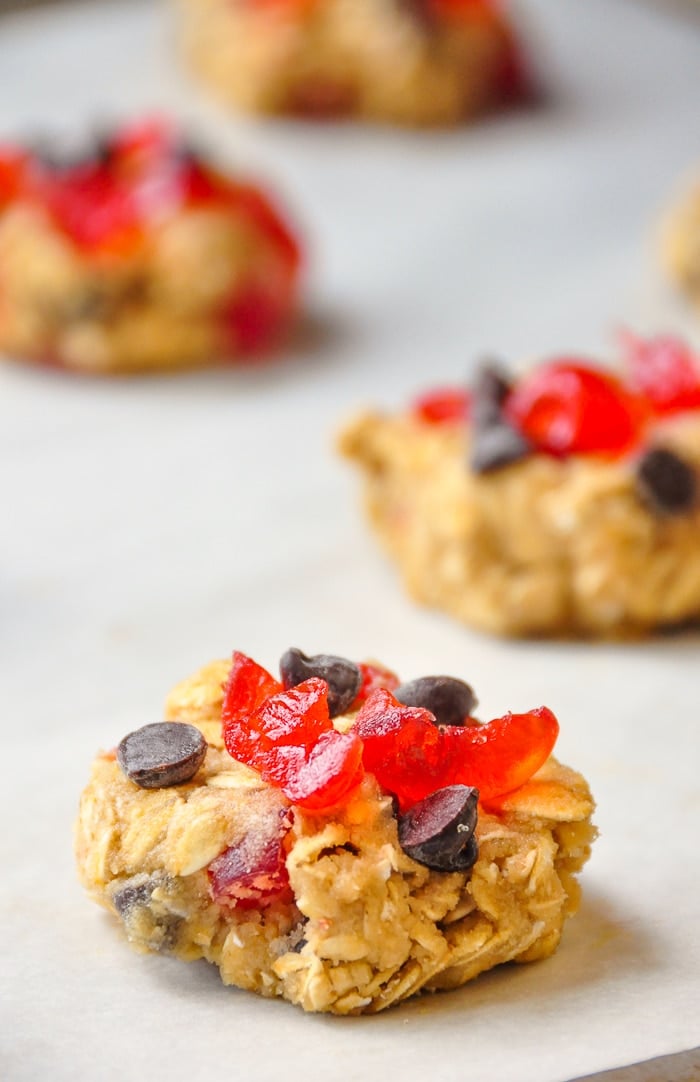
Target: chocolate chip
495 442
56 157
147 921
439 830
490 389
162 754
342 676
450 700
666 483
135 893
496 446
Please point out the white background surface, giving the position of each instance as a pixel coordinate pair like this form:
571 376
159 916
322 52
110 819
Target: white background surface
151 525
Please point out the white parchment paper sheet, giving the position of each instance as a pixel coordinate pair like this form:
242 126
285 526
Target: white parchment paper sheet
151 525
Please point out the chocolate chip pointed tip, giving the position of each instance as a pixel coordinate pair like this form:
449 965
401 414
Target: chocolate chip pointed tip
490 389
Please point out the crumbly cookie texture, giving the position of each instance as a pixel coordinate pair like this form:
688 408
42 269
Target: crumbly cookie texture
139 258
680 243
399 61
363 926
544 546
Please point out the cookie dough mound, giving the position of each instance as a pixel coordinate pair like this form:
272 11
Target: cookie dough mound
416 62
538 544
138 256
680 247
359 925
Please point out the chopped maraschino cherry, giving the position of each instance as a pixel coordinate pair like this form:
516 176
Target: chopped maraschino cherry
448 405
288 736
252 872
503 754
248 686
567 407
373 676
412 758
664 370
12 167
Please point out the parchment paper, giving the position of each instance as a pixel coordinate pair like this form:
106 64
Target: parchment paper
150 525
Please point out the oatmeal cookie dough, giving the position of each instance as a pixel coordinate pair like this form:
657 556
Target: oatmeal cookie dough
325 907
138 256
680 243
416 62
527 525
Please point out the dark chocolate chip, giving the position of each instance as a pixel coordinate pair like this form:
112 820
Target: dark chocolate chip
490 389
58 157
439 830
342 676
497 445
146 920
666 483
162 754
135 893
495 442
299 946
450 700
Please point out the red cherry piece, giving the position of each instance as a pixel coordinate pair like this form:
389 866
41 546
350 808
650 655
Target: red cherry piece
567 407
255 315
449 405
12 169
297 717
248 686
252 872
373 677
665 370
403 748
93 208
502 755
259 209
327 773
411 757
152 136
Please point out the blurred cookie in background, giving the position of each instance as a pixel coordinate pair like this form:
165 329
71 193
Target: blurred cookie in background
413 62
562 502
135 254
680 241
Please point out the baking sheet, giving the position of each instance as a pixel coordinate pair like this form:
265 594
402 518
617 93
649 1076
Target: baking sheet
149 525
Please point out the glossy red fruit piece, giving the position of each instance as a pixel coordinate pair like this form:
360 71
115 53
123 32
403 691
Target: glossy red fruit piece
446 405
248 686
252 872
403 748
374 676
153 136
254 317
567 407
297 716
327 774
13 165
94 209
259 208
502 755
663 369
